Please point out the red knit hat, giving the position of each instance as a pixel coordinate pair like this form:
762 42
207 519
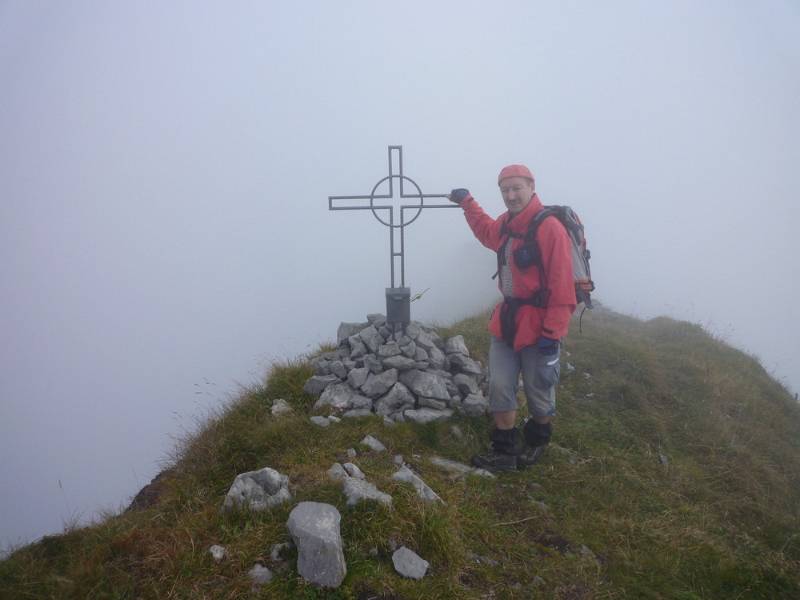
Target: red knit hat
515 171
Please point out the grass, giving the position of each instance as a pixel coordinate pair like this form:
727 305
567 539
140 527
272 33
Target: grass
674 473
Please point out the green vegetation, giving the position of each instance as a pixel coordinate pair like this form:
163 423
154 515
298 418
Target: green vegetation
674 473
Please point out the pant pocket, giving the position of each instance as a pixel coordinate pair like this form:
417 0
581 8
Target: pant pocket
548 370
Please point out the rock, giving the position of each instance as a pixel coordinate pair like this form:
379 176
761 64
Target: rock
340 396
408 563
376 319
388 422
317 383
569 368
314 527
385 331
373 444
457 468
320 421
371 338
337 368
357 346
280 407
420 355
424 340
354 471
260 574
427 415
398 460
436 357
402 339
456 432
358 490
373 363
475 405
258 490
401 363
345 330
377 385
320 366
355 413
456 345
357 377
431 403
388 349
423 383
337 472
398 398
218 552
351 453
413 330
409 350
466 385
424 491
334 419
463 364
277 550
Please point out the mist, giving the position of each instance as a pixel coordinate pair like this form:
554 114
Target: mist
165 168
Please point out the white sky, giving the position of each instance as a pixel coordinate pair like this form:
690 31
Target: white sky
165 167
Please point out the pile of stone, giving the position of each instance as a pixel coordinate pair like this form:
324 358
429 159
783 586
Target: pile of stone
410 374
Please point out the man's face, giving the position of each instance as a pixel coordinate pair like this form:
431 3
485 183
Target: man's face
517 193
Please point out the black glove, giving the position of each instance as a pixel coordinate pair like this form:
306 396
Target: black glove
458 195
547 346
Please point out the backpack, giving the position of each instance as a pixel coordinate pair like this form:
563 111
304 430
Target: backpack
529 252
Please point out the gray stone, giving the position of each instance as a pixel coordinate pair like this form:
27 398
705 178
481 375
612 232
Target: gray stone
260 574
347 329
431 403
475 405
412 330
427 415
320 421
354 471
258 490
459 362
373 444
334 419
456 345
321 366
351 453
458 468
317 383
398 398
388 422
337 472
455 402
371 338
388 349
218 552
408 563
337 396
376 319
424 340
422 365
277 550
385 332
466 385
357 377
357 346
409 350
280 407
425 384
420 355
373 363
424 491
377 385
436 357
316 533
337 368
355 413
401 363
398 460
359 490
456 432
398 416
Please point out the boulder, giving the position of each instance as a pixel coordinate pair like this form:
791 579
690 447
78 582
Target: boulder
357 377
320 421
347 329
317 383
337 472
354 471
355 413
337 368
401 363
424 491
463 364
341 397
457 468
259 574
475 405
431 403
388 349
258 490
373 363
359 490
427 415
456 345
314 527
357 346
409 350
280 407
398 398
436 357
371 338
377 385
408 563
466 385
423 383
373 444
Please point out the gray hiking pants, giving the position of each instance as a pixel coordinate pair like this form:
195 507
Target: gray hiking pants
540 375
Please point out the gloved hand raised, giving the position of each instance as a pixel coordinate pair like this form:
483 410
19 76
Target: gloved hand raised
458 195
547 346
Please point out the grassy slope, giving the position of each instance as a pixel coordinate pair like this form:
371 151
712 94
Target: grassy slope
601 516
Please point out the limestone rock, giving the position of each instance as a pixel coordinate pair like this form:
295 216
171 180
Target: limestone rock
341 396
398 398
436 357
409 564
347 329
371 338
358 490
320 421
456 345
315 529
337 368
373 444
409 350
357 346
388 349
377 385
376 319
356 413
466 385
423 383
337 472
431 403
463 364
424 491
280 407
457 468
317 383
427 415
373 363
258 490
354 471
218 552
475 405
260 574
401 363
357 377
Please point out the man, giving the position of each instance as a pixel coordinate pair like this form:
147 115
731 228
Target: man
535 278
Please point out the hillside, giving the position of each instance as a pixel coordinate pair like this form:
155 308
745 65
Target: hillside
674 473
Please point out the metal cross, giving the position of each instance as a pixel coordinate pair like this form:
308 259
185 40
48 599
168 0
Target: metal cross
393 295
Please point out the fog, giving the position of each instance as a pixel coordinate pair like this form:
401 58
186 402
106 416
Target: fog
165 168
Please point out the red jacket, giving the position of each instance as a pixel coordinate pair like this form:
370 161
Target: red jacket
556 250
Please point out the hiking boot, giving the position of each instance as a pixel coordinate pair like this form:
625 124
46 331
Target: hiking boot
495 462
530 456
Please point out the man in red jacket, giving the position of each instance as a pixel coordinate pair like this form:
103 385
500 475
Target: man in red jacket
535 278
